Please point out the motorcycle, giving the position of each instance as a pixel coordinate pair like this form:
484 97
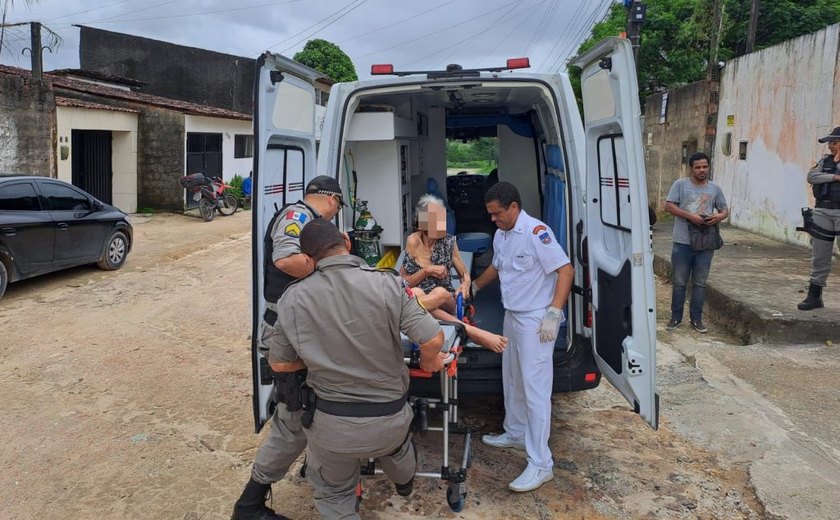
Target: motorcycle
211 194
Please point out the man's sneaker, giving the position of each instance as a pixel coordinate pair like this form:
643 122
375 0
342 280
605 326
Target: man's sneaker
531 479
699 327
503 440
673 324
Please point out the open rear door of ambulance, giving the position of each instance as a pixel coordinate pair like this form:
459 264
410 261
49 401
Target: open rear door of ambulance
617 226
284 161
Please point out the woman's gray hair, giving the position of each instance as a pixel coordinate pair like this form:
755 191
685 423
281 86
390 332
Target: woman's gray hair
425 200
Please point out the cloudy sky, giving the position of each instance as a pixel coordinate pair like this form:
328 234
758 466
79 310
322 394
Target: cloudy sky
411 34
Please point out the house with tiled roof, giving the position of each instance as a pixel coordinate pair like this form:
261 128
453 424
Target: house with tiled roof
112 137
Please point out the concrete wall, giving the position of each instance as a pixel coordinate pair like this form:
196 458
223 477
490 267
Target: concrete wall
228 128
160 158
123 127
779 101
173 71
682 132
27 113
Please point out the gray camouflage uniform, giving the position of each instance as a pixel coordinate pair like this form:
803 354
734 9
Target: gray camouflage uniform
344 322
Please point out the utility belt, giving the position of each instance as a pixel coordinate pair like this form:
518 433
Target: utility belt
828 204
346 409
810 227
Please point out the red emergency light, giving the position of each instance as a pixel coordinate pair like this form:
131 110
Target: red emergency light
379 69
518 63
590 377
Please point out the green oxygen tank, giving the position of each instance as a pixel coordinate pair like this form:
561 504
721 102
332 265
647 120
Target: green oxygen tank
367 233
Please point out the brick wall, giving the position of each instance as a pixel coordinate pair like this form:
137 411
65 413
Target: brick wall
160 158
27 122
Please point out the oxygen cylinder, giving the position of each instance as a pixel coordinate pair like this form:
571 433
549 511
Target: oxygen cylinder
367 233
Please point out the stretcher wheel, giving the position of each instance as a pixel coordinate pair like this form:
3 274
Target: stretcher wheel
455 498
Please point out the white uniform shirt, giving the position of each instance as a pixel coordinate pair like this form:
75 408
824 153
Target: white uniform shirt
527 258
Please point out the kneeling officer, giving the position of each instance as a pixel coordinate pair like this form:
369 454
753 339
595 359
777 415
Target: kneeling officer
343 322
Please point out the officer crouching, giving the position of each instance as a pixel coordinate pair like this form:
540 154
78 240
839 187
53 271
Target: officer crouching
343 323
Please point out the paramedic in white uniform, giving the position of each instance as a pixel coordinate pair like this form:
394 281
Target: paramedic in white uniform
535 277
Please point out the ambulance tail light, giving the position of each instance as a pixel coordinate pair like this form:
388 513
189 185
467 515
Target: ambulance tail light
590 377
587 320
382 68
518 63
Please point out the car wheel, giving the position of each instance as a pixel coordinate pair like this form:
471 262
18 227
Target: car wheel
4 279
115 252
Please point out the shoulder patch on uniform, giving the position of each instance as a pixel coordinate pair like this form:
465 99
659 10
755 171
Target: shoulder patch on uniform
538 229
292 230
545 238
296 215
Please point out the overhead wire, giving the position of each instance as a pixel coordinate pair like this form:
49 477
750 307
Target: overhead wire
393 24
202 13
133 12
563 34
506 38
87 11
544 24
470 37
581 35
310 27
427 35
292 46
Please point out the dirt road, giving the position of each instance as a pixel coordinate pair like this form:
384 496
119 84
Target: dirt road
128 395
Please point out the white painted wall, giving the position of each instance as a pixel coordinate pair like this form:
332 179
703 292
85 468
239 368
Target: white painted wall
228 128
123 127
782 98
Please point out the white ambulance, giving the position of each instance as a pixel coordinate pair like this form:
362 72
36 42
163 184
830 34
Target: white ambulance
385 140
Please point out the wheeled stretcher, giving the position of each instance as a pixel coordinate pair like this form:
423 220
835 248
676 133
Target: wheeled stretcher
447 404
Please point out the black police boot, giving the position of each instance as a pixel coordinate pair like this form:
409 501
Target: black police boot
251 505
813 300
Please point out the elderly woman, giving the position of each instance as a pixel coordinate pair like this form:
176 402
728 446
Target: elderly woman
430 255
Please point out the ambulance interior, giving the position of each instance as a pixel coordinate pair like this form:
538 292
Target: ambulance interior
395 142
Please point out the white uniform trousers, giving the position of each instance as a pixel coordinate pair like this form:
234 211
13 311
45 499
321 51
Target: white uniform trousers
527 375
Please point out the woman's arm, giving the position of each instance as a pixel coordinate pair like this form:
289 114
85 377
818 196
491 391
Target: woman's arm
461 269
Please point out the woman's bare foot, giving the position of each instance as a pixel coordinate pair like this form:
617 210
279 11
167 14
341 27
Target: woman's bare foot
487 339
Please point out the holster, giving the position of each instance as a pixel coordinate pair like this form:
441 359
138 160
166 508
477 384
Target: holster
290 389
810 227
309 403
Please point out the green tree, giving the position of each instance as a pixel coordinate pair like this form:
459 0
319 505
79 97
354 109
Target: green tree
327 58
676 38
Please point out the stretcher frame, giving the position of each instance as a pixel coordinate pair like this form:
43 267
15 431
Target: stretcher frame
447 403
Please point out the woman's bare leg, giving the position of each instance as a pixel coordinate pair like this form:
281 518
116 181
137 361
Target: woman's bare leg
437 297
482 337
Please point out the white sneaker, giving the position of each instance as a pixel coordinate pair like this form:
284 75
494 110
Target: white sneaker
503 440
531 479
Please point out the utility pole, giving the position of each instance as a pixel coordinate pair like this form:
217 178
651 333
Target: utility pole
35 51
713 80
754 7
636 10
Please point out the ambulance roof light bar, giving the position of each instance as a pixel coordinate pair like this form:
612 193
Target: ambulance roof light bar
452 70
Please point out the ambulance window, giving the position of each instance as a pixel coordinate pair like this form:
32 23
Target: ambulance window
614 182
599 103
294 108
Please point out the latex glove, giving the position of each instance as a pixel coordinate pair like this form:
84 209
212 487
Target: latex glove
551 324
473 290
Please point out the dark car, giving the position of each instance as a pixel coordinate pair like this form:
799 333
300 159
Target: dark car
47 224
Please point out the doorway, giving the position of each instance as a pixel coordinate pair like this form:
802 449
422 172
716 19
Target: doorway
91 165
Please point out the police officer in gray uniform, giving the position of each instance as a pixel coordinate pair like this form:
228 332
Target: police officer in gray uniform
823 223
283 264
343 322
